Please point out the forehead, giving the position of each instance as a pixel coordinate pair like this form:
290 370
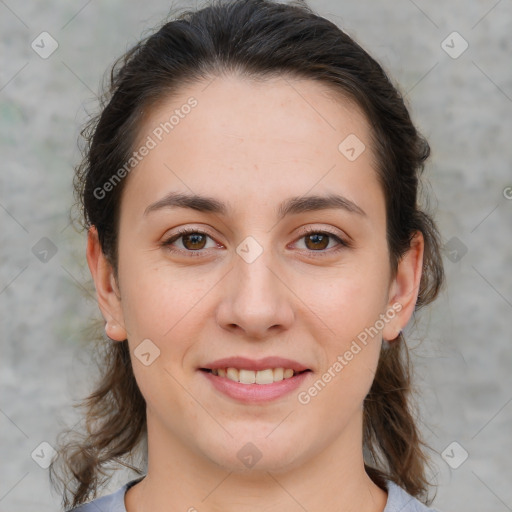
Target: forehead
234 105
266 137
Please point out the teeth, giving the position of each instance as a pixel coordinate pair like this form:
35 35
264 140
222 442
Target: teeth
232 374
288 373
267 376
264 376
247 376
278 374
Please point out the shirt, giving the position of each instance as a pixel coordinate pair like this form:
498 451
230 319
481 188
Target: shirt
398 501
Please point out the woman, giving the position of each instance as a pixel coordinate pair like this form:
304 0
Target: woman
255 239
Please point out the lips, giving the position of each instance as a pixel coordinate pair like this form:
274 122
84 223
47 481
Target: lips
255 380
243 363
267 376
248 392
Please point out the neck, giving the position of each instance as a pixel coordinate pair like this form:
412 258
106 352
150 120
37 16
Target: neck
178 478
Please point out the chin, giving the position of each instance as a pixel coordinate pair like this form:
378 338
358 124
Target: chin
254 455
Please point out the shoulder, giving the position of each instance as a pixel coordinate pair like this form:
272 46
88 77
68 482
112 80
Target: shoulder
401 501
398 501
110 503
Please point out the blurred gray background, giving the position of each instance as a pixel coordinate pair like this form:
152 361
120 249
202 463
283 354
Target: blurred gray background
460 98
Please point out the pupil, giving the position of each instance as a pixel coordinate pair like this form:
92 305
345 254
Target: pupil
194 238
318 238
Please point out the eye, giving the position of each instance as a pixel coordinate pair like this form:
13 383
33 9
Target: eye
193 241
318 241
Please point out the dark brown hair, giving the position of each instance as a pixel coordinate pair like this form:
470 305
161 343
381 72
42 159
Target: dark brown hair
254 38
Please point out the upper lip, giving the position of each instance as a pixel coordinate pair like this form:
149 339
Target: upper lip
244 363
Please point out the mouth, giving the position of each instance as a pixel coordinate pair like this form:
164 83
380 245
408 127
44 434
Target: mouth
264 377
255 381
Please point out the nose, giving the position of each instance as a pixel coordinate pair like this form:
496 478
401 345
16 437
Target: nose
256 300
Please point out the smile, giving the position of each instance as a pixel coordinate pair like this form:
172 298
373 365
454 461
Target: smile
267 376
234 386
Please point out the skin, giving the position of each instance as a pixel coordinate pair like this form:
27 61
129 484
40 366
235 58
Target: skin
252 145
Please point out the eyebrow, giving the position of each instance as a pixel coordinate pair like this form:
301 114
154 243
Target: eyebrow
291 206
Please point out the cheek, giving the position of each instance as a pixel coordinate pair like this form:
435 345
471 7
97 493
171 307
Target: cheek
346 299
155 297
347 306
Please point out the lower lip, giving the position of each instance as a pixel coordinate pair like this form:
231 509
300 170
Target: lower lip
251 393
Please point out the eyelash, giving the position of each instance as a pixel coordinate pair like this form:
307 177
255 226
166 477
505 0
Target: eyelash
188 231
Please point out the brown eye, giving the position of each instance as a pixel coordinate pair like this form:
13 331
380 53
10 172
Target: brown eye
194 241
317 241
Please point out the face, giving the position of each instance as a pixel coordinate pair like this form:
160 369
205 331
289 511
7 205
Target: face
265 276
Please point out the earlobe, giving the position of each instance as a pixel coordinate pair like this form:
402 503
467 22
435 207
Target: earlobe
109 300
115 331
405 287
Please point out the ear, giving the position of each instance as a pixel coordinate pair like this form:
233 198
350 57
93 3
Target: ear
109 298
404 288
